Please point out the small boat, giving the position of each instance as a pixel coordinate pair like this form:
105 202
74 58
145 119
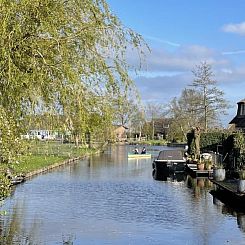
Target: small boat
168 161
134 156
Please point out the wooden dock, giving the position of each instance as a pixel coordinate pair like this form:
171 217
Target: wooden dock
226 191
229 186
192 169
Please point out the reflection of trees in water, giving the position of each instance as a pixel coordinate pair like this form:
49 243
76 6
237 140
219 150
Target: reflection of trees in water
235 213
179 177
227 205
13 230
205 221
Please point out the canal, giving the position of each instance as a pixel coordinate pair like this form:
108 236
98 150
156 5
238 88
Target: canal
109 199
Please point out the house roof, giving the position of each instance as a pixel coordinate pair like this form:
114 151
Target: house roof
118 126
239 121
242 101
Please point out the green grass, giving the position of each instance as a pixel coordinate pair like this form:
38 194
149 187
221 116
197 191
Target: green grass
30 163
48 148
150 142
42 154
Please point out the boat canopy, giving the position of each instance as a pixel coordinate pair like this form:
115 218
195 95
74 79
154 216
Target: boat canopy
171 156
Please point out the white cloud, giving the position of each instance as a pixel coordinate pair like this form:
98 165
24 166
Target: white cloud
231 76
174 44
234 52
183 59
162 88
235 28
150 74
225 70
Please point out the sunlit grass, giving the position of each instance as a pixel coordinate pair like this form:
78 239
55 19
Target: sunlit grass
49 148
149 142
30 163
42 154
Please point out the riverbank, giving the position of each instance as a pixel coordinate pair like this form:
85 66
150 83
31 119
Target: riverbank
34 165
41 158
148 142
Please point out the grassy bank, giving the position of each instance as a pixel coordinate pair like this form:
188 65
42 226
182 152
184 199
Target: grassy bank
149 142
42 154
30 163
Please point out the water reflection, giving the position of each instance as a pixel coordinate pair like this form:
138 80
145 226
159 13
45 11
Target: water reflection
241 221
199 185
226 205
13 230
172 177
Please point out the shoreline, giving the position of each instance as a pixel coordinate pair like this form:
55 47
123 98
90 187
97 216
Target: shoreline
15 180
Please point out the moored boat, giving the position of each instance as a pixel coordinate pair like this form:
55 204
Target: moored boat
168 161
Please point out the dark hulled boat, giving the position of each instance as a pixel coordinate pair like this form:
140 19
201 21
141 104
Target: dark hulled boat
167 162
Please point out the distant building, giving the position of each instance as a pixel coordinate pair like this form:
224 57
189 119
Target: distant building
41 134
120 132
238 122
161 127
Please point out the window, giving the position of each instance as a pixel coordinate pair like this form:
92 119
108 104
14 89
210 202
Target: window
242 110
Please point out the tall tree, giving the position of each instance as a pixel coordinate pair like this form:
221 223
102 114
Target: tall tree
212 101
153 112
137 121
185 113
53 53
125 105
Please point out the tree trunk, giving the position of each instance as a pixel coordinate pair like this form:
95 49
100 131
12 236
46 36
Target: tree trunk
153 129
76 140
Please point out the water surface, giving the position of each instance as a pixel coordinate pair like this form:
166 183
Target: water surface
109 199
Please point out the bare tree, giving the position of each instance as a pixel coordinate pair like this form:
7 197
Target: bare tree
154 111
212 101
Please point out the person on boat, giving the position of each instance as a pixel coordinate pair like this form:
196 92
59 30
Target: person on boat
136 151
143 151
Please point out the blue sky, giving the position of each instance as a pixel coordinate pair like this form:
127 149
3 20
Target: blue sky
181 34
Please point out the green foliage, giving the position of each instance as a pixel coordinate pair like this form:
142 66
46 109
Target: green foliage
185 113
60 58
231 143
239 141
210 140
10 143
150 142
239 149
4 186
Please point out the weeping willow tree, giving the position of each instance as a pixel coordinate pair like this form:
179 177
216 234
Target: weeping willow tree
63 58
